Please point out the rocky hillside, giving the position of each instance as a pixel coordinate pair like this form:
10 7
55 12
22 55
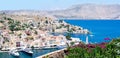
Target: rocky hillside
83 11
24 15
89 11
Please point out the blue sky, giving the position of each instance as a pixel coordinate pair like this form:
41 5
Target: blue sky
47 4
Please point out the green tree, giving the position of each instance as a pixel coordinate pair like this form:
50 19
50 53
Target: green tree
1 21
9 19
68 36
12 27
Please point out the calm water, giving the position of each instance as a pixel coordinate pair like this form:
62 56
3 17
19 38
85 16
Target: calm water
99 28
24 55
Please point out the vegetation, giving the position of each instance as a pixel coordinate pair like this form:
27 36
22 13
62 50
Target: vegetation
59 27
35 32
1 21
46 21
14 25
68 36
68 28
60 21
53 30
102 50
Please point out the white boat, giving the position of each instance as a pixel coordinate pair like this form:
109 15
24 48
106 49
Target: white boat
5 49
26 50
54 47
47 47
14 52
61 46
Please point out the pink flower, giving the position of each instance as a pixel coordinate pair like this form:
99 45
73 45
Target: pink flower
107 38
91 46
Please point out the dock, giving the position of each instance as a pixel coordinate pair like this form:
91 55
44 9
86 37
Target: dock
55 54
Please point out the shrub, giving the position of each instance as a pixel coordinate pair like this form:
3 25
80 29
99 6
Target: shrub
102 50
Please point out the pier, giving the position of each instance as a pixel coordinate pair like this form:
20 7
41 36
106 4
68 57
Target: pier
55 54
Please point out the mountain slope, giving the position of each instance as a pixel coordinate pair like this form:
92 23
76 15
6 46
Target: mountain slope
89 11
83 11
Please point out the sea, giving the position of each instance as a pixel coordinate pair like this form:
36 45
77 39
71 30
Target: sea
100 29
36 53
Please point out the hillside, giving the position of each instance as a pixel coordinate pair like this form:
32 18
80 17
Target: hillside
24 15
89 11
83 11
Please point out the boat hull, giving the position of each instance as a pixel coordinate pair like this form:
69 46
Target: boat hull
27 53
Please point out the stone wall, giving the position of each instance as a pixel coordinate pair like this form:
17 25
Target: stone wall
55 54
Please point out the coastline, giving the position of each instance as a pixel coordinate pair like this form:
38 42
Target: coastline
31 33
84 19
53 54
3 51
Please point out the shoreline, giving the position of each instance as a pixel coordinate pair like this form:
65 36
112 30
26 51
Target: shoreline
83 19
49 54
3 51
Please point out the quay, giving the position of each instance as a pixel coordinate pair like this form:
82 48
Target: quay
55 54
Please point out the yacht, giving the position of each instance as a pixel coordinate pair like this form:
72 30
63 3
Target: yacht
14 52
26 50
47 48
53 47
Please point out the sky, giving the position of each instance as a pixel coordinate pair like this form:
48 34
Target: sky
48 4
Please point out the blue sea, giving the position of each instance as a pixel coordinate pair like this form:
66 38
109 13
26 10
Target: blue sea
36 53
100 29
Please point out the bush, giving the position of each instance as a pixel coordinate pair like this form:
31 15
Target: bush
102 50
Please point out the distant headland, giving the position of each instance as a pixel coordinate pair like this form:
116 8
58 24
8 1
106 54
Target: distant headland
82 11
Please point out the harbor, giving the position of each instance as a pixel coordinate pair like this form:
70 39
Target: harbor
30 37
59 29
36 53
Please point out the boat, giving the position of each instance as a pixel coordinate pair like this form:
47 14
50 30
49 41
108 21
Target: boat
26 50
14 52
5 49
61 46
47 48
53 47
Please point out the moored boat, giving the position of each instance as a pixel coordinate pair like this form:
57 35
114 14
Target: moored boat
26 50
14 52
47 47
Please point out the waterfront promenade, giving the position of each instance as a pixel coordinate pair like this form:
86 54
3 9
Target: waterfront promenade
55 54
